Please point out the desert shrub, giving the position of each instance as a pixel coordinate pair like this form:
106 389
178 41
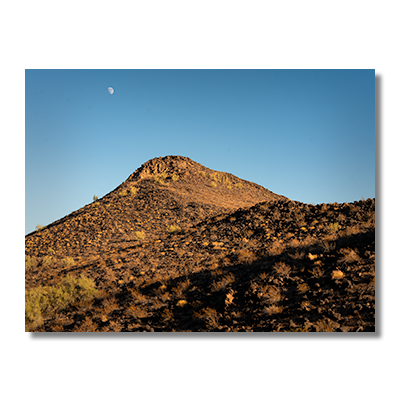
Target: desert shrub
273 309
173 229
42 302
133 190
39 227
334 226
239 185
223 283
349 255
208 315
47 260
95 197
67 262
245 256
216 177
202 173
30 262
227 181
326 325
282 269
124 192
213 184
160 179
175 177
139 235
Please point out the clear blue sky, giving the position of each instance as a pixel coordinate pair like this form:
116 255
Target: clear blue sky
305 134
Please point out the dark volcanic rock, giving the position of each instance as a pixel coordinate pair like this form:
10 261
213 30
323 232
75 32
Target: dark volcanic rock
242 259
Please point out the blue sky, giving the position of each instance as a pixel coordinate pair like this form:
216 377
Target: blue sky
305 134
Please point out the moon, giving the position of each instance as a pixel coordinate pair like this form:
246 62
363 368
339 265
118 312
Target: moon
110 90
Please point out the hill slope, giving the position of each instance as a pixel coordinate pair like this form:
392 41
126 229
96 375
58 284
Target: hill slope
276 265
171 190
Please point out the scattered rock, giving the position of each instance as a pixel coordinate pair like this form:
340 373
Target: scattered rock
224 270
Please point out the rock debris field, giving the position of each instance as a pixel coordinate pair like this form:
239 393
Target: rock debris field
179 247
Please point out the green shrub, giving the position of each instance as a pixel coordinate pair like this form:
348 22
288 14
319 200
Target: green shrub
42 302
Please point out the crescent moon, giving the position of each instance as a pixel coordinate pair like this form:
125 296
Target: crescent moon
110 90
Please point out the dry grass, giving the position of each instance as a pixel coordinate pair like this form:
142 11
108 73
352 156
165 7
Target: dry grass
137 311
276 248
223 282
273 309
229 297
133 190
349 255
139 235
160 179
282 269
173 229
208 315
245 256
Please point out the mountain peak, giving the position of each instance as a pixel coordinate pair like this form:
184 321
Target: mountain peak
167 164
164 191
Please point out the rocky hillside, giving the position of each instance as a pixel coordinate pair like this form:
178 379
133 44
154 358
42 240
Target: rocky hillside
191 249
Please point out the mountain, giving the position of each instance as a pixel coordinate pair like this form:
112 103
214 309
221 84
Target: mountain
165 191
180 247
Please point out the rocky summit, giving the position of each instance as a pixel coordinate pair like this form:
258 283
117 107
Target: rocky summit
181 247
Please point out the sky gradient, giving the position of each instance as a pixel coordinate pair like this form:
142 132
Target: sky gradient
305 134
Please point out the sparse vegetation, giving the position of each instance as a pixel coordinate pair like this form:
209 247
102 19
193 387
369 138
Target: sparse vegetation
173 229
334 226
208 315
223 282
239 264
213 184
349 255
95 198
30 262
282 269
139 235
68 262
160 179
43 302
226 181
